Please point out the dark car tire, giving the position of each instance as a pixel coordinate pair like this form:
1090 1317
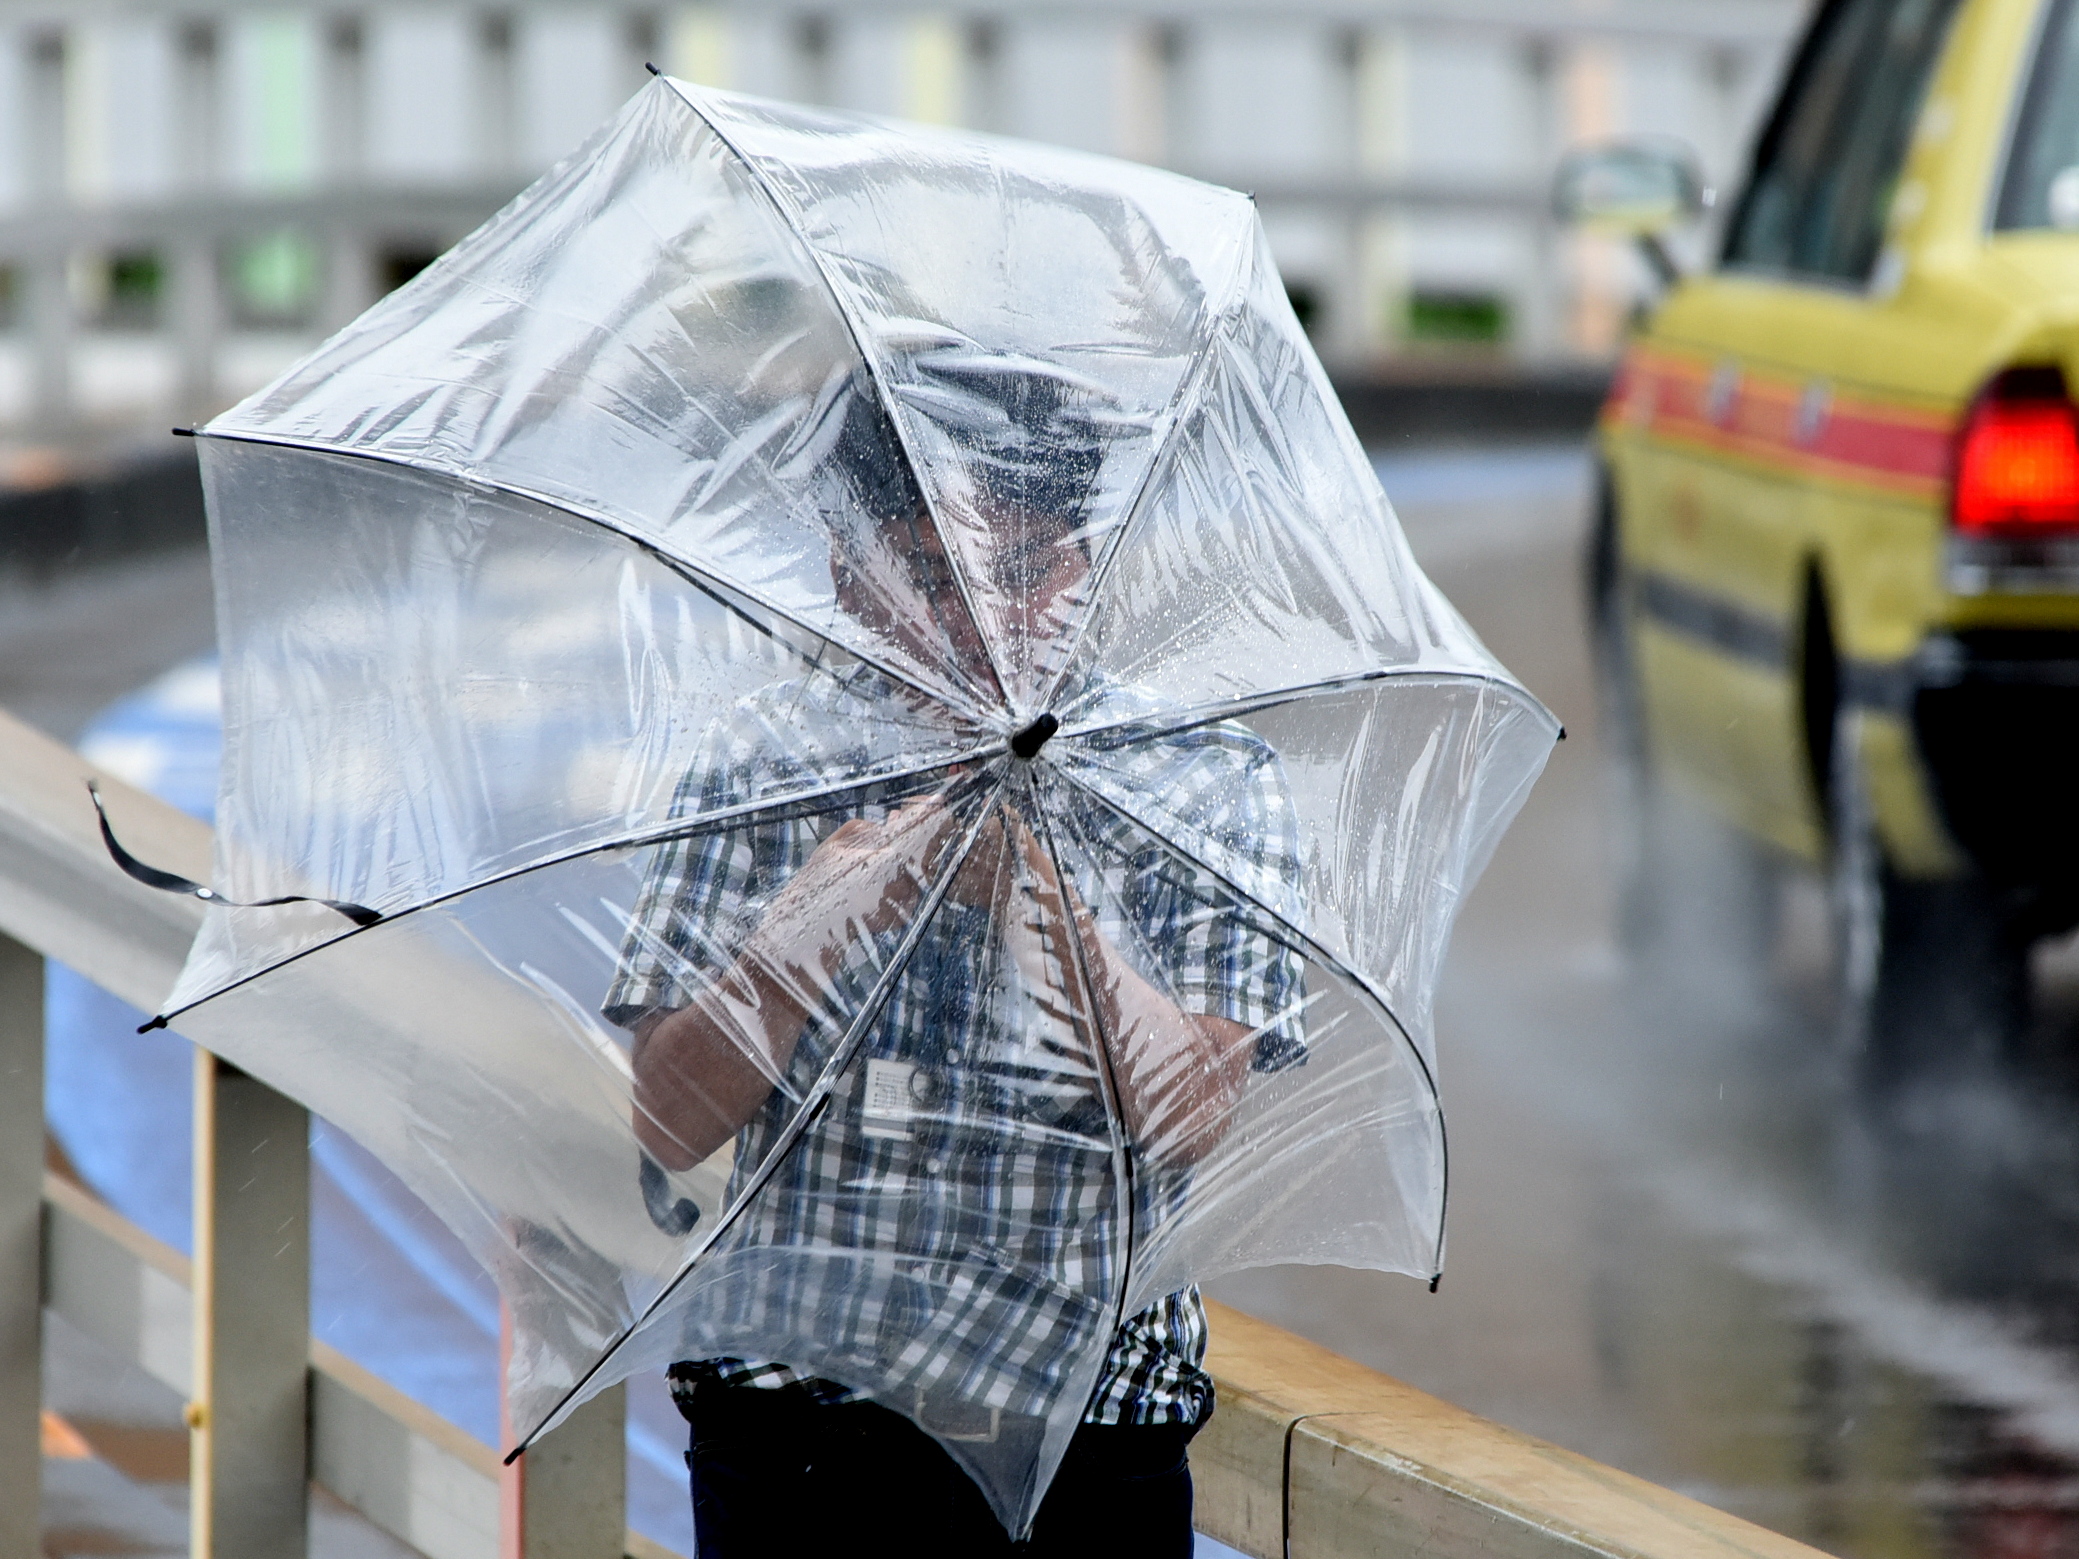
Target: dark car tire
1925 975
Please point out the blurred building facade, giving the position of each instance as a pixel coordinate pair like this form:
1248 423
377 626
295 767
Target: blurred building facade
191 194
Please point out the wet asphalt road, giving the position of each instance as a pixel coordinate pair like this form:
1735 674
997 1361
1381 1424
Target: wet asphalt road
1684 1237
1683 1240
70 646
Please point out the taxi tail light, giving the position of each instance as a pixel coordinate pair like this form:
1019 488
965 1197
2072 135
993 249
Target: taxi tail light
2017 462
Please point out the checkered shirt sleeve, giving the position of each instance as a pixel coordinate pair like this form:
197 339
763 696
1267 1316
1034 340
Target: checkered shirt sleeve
1220 791
700 890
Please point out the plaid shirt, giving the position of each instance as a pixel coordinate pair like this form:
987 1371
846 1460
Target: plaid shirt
968 1247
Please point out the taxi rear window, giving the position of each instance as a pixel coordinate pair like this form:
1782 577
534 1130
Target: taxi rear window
2042 184
1829 160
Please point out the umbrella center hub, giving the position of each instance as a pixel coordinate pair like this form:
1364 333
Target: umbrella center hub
1026 744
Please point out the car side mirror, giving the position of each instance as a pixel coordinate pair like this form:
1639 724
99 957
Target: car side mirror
1638 188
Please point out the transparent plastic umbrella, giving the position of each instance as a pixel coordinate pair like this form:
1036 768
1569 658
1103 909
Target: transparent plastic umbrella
882 788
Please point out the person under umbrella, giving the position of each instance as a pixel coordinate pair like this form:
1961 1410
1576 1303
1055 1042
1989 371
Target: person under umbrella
795 709
971 1112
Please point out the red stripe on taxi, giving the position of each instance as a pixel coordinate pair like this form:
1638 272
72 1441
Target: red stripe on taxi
1775 421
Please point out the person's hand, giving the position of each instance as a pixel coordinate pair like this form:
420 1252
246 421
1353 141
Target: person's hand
1005 854
702 1070
1180 1074
860 883
1181 1083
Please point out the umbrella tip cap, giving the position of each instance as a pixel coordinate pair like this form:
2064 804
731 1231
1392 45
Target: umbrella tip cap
1027 743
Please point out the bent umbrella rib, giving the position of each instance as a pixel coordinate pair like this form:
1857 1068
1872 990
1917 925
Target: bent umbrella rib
1122 1150
720 597
1188 392
1308 945
811 1106
874 372
679 828
1254 703
948 699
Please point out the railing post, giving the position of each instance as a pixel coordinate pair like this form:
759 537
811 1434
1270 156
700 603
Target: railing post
48 303
249 1468
567 1498
47 295
193 290
343 103
196 308
350 284
21 1249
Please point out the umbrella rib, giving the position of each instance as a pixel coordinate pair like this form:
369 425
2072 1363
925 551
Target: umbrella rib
1313 949
678 829
716 594
1188 391
946 698
874 372
1298 692
811 1107
1122 1150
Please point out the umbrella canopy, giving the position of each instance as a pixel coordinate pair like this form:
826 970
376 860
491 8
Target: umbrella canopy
898 793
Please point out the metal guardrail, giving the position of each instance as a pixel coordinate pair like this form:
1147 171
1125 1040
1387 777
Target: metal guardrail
405 1468
1345 199
132 1295
1744 21
1309 1456
1312 1456
274 1412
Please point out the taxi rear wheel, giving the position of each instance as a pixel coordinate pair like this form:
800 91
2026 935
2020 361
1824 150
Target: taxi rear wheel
1925 974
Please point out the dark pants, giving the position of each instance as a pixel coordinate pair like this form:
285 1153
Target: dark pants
776 1475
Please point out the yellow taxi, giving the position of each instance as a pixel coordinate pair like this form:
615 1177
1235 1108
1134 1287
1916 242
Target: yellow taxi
1836 569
